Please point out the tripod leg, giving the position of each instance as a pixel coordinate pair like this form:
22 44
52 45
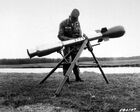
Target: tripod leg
100 68
56 67
70 68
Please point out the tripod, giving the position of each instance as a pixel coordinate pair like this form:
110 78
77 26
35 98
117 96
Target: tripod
85 44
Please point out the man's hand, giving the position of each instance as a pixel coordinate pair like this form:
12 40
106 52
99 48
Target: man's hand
75 35
64 38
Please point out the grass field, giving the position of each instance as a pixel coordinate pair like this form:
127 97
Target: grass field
20 92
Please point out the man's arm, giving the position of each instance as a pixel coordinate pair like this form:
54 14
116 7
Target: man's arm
61 33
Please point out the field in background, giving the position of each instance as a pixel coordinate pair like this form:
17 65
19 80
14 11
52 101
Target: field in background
20 92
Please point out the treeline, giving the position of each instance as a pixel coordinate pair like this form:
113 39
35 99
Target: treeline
110 58
82 59
39 60
50 60
27 61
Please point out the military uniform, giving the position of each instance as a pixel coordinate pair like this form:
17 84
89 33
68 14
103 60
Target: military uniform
70 30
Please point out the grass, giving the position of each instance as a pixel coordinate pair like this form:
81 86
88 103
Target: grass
20 92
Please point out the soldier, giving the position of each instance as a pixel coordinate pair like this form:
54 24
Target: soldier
70 29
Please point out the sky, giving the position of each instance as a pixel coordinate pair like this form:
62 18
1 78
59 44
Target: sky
25 24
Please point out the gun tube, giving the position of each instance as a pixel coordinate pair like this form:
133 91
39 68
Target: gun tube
113 32
42 52
46 51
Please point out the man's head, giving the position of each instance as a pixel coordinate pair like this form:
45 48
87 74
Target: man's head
74 15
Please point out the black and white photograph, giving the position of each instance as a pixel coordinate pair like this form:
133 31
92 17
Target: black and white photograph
69 56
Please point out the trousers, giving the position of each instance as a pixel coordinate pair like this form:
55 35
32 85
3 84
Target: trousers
76 70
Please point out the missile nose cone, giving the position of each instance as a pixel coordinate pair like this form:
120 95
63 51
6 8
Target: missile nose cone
121 30
114 32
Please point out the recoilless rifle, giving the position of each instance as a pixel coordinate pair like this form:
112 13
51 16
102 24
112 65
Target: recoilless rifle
84 42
